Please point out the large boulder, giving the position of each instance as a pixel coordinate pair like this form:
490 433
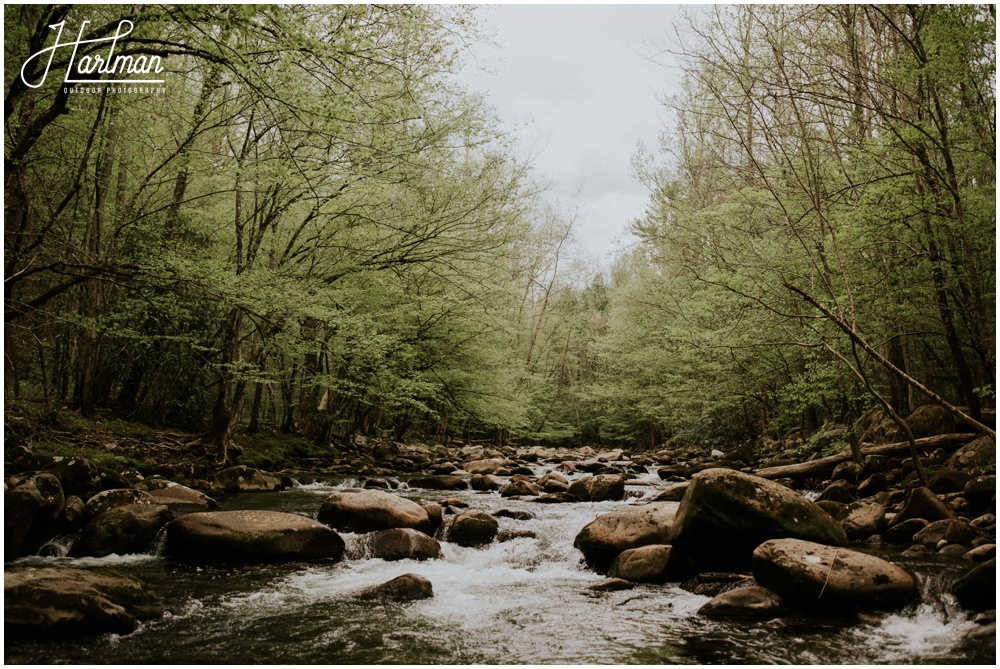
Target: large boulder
109 499
121 530
175 496
473 529
813 575
609 534
600 488
372 510
863 519
752 602
33 508
251 536
949 531
442 482
978 457
400 543
246 479
645 564
520 489
405 588
977 589
726 514
929 420
49 602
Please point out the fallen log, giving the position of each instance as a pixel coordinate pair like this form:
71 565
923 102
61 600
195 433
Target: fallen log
822 466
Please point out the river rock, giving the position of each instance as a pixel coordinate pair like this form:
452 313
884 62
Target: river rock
600 488
645 564
175 496
922 503
811 575
485 482
978 457
514 514
846 471
948 481
487 466
441 482
863 519
401 543
713 583
520 489
873 485
612 585
121 530
473 529
726 514
33 508
752 602
977 589
52 602
74 514
839 491
902 533
553 482
949 531
76 475
435 514
981 492
609 534
251 536
109 499
372 510
981 553
246 479
405 588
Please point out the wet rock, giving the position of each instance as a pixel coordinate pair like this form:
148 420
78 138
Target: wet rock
520 489
473 529
251 536
600 488
246 479
977 458
981 553
511 535
175 496
953 550
76 475
516 515
55 602
752 602
812 575
441 482
949 531
435 515
903 532
401 544
121 530
609 534
109 499
405 588
712 583
488 466
839 491
552 482
929 420
611 585
922 503
485 482
446 468
556 498
33 508
977 589
646 564
726 514
372 510
863 519
380 484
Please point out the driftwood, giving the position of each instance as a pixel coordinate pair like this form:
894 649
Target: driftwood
825 465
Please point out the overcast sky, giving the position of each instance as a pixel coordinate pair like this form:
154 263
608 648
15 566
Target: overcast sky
576 86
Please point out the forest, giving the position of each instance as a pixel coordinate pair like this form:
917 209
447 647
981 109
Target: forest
310 228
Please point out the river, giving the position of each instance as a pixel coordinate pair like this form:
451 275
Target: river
524 601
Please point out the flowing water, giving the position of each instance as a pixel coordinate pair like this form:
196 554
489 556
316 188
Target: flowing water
524 601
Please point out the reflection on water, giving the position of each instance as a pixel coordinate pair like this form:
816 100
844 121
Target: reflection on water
524 601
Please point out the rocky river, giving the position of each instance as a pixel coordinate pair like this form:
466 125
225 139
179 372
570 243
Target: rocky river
529 593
